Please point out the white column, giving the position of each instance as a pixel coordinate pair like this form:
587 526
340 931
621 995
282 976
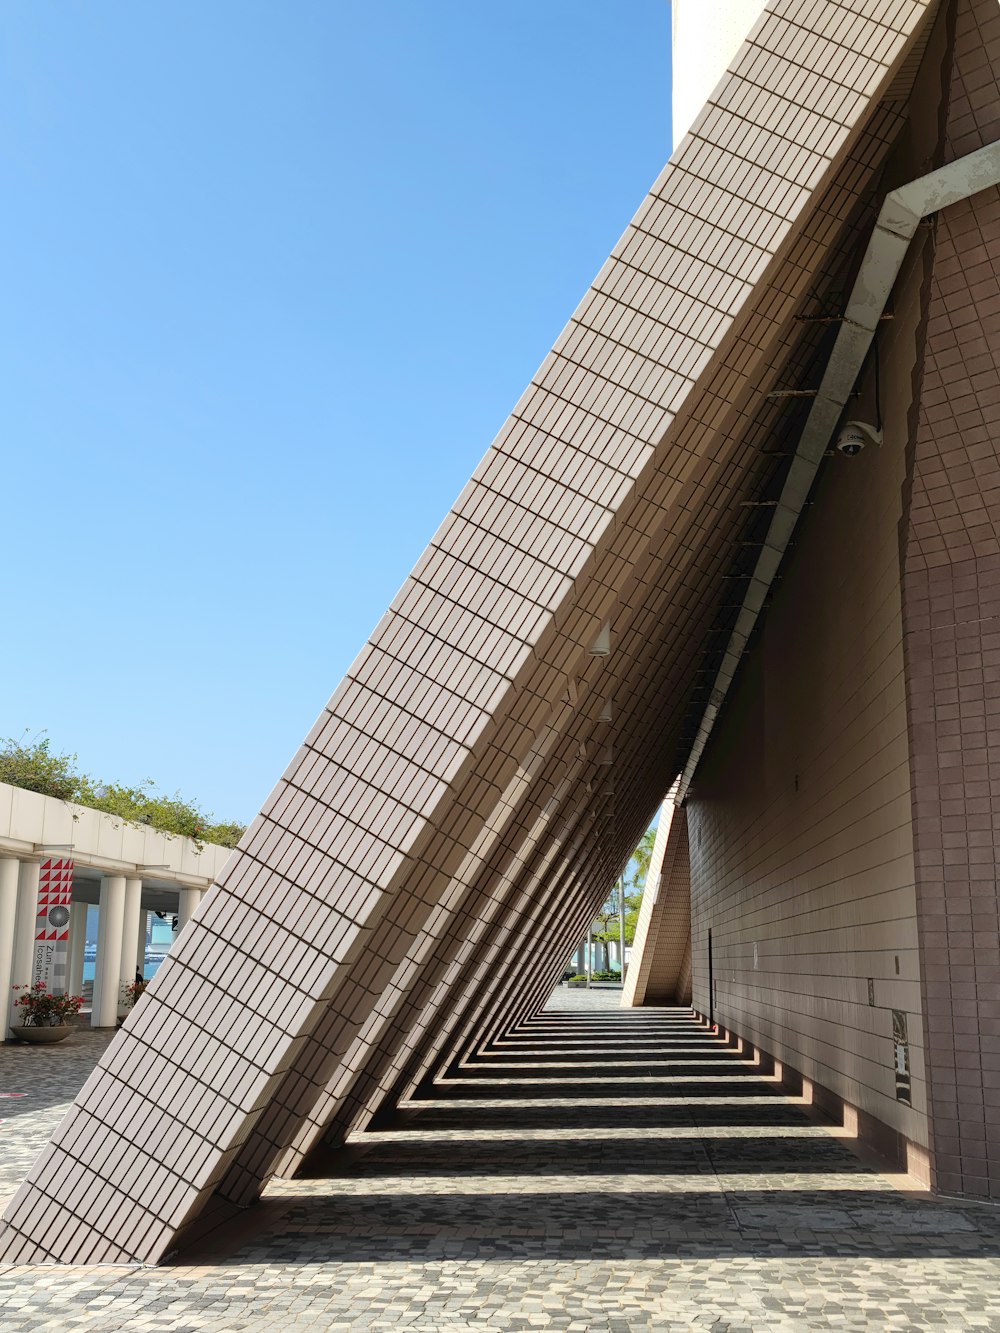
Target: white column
9 870
140 941
187 905
621 926
109 952
24 927
130 930
76 944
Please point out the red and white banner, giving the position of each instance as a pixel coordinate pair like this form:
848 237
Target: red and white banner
55 890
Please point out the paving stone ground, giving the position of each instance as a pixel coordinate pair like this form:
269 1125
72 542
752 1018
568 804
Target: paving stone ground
601 1171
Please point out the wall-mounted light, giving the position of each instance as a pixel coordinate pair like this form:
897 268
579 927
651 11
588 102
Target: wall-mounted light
601 645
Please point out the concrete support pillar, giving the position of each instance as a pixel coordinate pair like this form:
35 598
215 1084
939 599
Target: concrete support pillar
140 941
621 927
130 930
109 951
656 974
76 945
187 905
24 927
9 870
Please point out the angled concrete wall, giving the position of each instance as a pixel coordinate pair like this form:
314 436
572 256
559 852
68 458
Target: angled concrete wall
479 762
660 970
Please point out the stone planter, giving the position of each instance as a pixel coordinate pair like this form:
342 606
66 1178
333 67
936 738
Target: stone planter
42 1036
577 985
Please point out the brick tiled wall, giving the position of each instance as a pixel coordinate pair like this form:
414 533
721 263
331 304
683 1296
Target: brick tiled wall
952 621
464 800
800 819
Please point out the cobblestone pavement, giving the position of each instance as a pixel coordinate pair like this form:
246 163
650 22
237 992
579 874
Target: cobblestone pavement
601 1171
37 1084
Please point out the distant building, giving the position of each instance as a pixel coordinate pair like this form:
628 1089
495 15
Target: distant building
126 871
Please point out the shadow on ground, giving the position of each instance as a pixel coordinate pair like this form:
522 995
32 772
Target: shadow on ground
636 1159
619 1224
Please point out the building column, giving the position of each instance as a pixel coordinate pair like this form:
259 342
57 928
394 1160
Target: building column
9 870
621 926
109 952
130 931
188 900
75 947
140 941
23 959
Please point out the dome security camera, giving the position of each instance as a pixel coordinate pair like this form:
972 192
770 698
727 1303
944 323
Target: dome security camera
854 435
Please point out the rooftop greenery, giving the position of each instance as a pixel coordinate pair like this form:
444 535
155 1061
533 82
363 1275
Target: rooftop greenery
31 764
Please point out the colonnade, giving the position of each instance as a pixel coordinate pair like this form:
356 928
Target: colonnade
121 936
612 954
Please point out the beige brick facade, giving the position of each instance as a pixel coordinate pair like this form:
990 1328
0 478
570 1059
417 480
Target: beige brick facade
951 608
417 879
843 822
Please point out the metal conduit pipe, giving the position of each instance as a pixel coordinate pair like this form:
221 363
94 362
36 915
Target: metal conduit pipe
895 227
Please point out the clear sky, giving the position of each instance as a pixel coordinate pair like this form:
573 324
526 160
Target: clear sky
274 274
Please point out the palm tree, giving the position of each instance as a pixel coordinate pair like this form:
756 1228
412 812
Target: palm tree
632 884
641 858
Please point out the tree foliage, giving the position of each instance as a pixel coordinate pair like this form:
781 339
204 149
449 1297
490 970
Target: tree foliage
638 866
632 883
33 766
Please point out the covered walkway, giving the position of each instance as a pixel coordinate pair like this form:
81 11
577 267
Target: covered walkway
673 564
600 1169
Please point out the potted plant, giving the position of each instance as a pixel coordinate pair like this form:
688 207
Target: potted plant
131 990
43 1015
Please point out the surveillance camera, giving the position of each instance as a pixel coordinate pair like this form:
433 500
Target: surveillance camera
854 435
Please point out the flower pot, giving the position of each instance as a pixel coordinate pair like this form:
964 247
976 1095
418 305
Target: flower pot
42 1036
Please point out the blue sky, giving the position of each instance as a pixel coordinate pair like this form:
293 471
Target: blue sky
274 275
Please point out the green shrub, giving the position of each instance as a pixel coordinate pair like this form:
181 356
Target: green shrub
33 766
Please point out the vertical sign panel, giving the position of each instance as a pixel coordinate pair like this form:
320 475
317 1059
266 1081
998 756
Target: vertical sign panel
55 889
901 1056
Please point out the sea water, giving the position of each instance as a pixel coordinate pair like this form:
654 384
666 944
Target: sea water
148 971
